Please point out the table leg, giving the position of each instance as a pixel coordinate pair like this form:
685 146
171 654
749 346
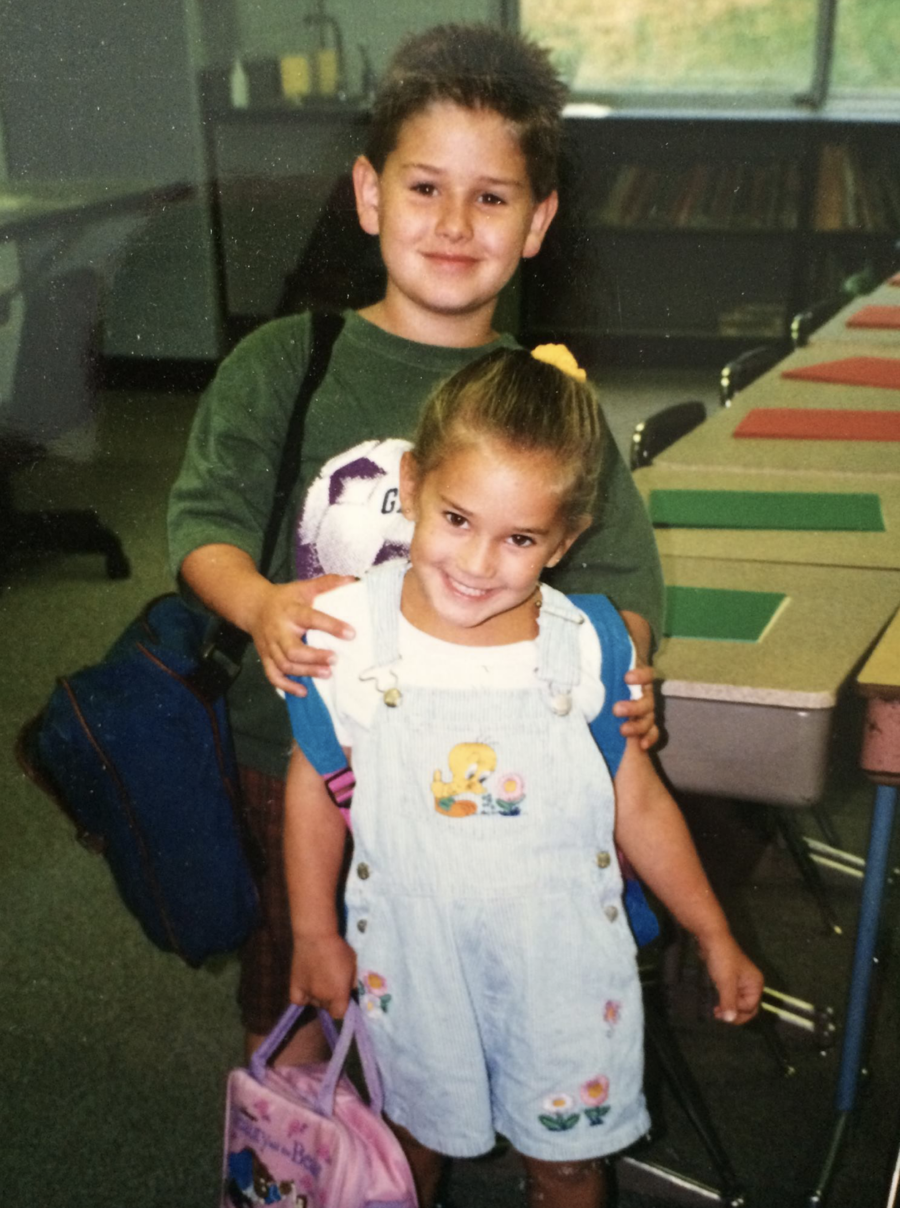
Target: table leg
861 976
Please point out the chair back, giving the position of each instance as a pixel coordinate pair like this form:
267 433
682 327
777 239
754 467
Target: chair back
746 368
656 433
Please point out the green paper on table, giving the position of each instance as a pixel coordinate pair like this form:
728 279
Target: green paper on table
816 511
717 615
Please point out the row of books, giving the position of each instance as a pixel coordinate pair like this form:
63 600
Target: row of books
853 196
766 196
704 195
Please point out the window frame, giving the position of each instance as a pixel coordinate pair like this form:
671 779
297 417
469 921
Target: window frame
817 98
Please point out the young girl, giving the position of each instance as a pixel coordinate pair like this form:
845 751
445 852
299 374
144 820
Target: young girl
486 934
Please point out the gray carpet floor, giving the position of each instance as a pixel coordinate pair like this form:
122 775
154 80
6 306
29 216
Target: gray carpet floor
114 1056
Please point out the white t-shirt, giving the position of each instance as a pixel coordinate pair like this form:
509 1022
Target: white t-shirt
352 698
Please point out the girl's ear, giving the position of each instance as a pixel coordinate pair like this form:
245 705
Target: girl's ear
368 193
409 485
583 522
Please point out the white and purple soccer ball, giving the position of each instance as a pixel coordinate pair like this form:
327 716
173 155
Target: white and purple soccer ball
351 518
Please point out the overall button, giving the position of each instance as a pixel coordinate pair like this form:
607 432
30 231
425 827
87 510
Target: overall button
362 924
393 697
612 913
362 871
603 859
561 704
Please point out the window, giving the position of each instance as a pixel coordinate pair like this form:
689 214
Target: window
735 51
866 57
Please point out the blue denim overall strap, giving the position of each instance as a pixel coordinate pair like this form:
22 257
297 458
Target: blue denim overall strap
558 644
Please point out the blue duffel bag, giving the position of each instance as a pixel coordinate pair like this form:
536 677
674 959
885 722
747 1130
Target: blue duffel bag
138 752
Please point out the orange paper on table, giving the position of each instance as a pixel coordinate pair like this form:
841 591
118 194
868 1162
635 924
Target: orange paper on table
796 423
852 371
876 316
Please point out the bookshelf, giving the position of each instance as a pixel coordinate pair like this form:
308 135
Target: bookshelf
691 236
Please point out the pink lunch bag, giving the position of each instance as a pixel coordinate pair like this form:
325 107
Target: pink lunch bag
302 1137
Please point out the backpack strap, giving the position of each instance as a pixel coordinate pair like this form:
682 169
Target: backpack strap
314 733
225 643
615 644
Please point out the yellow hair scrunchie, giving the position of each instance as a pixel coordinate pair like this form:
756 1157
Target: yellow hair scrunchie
559 357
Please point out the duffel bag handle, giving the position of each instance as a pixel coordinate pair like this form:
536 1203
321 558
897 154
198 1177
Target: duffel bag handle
354 1027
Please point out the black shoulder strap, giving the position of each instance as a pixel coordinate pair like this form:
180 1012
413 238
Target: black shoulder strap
226 639
326 328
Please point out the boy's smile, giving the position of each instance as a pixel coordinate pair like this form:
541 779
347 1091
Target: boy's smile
455 213
488 520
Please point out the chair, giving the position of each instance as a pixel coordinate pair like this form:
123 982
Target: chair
340 266
746 368
807 321
53 389
656 433
662 1042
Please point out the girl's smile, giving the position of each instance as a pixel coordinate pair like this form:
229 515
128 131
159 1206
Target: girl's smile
488 520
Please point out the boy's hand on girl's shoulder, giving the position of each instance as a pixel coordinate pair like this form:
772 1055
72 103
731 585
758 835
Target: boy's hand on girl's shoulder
323 973
284 615
640 713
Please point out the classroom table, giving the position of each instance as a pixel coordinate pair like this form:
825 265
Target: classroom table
38 207
714 446
752 719
836 328
870 550
66 235
879 682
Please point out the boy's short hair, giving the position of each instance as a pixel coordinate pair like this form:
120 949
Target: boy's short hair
476 67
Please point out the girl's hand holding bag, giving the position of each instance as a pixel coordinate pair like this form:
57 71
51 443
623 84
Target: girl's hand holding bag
302 1135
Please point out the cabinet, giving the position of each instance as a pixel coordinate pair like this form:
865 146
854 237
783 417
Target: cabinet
687 236
277 176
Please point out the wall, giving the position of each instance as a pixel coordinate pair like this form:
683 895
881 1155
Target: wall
109 88
276 27
10 305
106 89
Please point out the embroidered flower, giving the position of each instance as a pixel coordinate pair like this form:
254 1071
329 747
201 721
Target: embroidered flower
374 983
594 1093
559 357
558 1115
511 788
612 1013
373 992
510 794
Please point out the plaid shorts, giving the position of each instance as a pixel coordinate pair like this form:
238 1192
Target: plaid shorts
263 992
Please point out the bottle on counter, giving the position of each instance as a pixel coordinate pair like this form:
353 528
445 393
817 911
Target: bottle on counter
239 85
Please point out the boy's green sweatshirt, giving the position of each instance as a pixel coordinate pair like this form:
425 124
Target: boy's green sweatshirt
374 388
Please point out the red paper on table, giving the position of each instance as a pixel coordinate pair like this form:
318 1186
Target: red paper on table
876 316
852 371
815 423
